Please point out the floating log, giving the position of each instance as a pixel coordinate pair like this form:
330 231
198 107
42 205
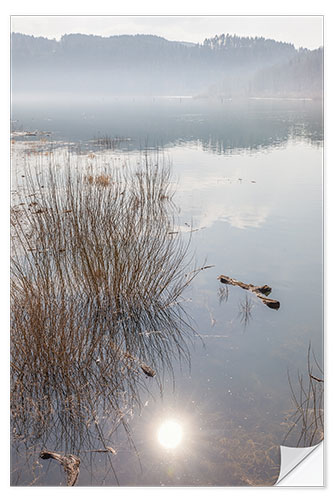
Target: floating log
70 463
261 291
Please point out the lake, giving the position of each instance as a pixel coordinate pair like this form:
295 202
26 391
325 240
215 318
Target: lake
248 182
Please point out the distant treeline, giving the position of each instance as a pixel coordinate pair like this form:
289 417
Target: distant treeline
302 75
226 65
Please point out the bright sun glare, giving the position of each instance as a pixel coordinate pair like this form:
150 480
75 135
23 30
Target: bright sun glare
170 434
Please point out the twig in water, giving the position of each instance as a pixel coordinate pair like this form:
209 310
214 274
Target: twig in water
70 463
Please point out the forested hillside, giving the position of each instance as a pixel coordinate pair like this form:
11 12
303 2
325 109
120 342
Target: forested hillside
302 75
148 65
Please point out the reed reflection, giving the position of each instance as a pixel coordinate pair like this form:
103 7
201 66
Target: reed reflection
306 420
245 311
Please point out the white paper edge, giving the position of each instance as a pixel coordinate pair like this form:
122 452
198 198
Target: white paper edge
302 466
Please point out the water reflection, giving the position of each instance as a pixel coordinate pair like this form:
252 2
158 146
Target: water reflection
245 311
134 124
223 294
306 421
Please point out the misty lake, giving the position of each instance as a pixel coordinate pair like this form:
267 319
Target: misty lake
247 177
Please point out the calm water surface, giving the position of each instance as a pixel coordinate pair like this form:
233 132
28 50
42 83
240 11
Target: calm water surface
248 176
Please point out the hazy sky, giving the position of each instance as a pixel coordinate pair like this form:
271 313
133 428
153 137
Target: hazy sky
305 31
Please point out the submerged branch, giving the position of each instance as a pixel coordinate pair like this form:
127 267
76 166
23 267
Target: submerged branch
70 463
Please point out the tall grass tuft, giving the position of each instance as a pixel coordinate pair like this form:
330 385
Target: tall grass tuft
95 283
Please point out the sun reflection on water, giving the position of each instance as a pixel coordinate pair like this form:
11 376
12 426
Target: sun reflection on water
170 434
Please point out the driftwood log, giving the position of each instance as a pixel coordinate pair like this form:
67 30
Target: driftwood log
260 291
70 463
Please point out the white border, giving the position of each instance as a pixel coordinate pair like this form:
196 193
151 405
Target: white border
172 7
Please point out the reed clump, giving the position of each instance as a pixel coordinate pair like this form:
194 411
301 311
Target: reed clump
95 282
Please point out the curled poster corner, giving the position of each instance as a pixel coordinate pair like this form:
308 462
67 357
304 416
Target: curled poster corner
292 458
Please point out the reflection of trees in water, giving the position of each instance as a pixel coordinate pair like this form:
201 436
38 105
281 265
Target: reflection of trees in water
219 126
95 280
252 129
306 421
225 128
